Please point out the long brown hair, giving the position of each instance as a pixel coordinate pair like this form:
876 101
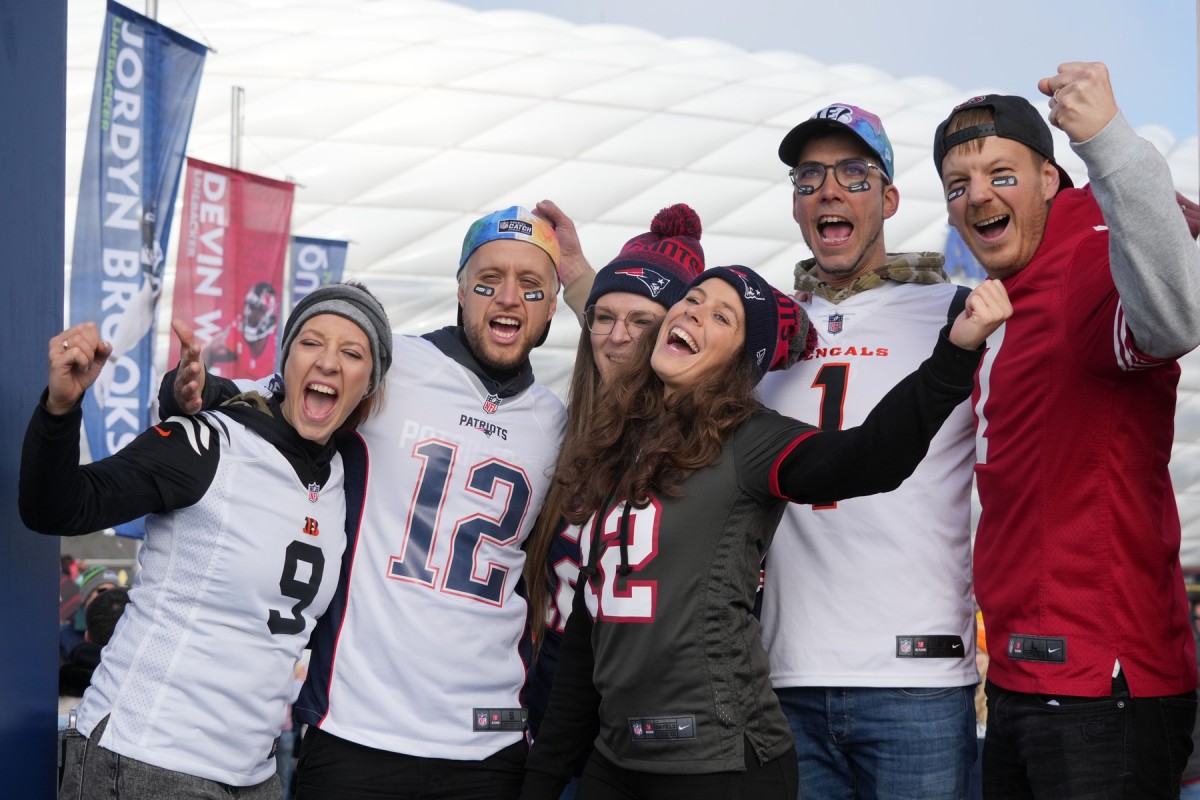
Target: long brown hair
642 443
582 400
636 440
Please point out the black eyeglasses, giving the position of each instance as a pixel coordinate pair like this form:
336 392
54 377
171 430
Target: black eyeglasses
851 174
636 323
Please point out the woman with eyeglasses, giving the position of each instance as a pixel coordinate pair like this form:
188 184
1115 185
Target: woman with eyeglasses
677 482
626 300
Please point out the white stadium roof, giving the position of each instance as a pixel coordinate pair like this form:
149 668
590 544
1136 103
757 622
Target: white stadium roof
402 121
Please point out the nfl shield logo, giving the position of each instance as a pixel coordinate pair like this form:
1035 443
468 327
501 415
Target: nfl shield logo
481 721
637 729
491 403
835 323
314 491
905 646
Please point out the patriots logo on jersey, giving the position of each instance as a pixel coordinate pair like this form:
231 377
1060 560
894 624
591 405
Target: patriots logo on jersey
654 281
491 403
314 492
835 323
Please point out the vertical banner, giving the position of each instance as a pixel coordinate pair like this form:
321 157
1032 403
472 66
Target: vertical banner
142 104
229 270
315 262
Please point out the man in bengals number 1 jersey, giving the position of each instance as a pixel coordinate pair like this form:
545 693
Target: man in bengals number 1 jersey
414 685
867 615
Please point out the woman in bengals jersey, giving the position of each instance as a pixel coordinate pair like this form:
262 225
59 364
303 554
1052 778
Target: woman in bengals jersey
246 529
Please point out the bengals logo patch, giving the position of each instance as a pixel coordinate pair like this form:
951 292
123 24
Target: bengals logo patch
311 528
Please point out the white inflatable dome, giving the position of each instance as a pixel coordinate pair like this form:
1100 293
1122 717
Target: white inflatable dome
402 121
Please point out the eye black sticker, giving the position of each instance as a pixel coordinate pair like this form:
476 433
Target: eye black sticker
486 291
536 294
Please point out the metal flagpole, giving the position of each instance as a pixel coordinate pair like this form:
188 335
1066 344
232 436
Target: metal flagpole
238 124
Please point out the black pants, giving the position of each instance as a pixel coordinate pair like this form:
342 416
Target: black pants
1100 748
331 768
775 780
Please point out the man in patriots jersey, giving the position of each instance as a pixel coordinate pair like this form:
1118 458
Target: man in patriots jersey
414 684
1091 685
867 610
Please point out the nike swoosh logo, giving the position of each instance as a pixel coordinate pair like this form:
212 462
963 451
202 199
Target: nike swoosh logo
1054 649
684 727
161 432
955 646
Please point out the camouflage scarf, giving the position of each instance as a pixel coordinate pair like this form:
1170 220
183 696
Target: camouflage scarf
900 267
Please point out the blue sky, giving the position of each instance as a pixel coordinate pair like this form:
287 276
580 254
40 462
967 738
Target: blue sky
1149 45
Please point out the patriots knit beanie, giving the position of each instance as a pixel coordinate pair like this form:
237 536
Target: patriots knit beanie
658 265
353 302
778 333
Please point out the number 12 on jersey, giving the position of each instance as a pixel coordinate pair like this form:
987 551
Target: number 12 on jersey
464 569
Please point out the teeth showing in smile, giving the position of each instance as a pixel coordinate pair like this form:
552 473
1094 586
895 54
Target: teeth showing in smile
505 327
680 335
317 387
992 225
834 229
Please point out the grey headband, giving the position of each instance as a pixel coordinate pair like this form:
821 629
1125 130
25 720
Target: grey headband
352 303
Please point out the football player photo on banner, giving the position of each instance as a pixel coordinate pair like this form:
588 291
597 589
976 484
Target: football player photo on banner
145 93
315 263
229 273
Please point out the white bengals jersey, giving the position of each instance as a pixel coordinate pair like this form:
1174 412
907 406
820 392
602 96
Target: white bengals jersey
429 635
199 674
874 591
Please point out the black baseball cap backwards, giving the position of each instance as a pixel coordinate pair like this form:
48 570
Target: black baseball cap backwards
1016 119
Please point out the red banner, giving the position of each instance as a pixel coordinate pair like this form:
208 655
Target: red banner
229 273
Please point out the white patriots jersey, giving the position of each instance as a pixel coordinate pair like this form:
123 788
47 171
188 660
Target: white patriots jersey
199 673
432 621
848 586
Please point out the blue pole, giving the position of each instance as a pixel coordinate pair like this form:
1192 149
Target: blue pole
33 47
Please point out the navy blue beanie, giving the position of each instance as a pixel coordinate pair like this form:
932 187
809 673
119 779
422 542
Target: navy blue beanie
778 332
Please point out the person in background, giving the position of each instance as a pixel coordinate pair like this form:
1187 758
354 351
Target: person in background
867 609
626 301
247 518
1190 781
102 615
1091 685
68 592
92 583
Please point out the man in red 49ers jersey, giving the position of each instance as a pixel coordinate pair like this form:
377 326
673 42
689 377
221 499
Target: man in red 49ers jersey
1091 687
